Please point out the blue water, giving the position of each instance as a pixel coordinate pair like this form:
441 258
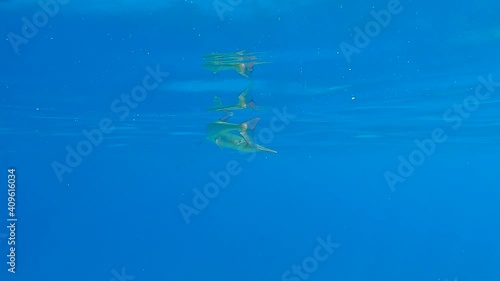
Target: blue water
387 163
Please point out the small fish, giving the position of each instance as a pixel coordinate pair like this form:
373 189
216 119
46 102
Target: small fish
216 129
213 56
245 69
232 57
237 142
245 100
241 62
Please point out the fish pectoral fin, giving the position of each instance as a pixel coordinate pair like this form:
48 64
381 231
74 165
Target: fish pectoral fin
218 143
249 126
243 72
248 139
228 115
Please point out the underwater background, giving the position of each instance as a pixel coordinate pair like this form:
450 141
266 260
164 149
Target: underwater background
384 115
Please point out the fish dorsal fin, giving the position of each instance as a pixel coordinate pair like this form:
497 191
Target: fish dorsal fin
242 101
217 101
250 124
